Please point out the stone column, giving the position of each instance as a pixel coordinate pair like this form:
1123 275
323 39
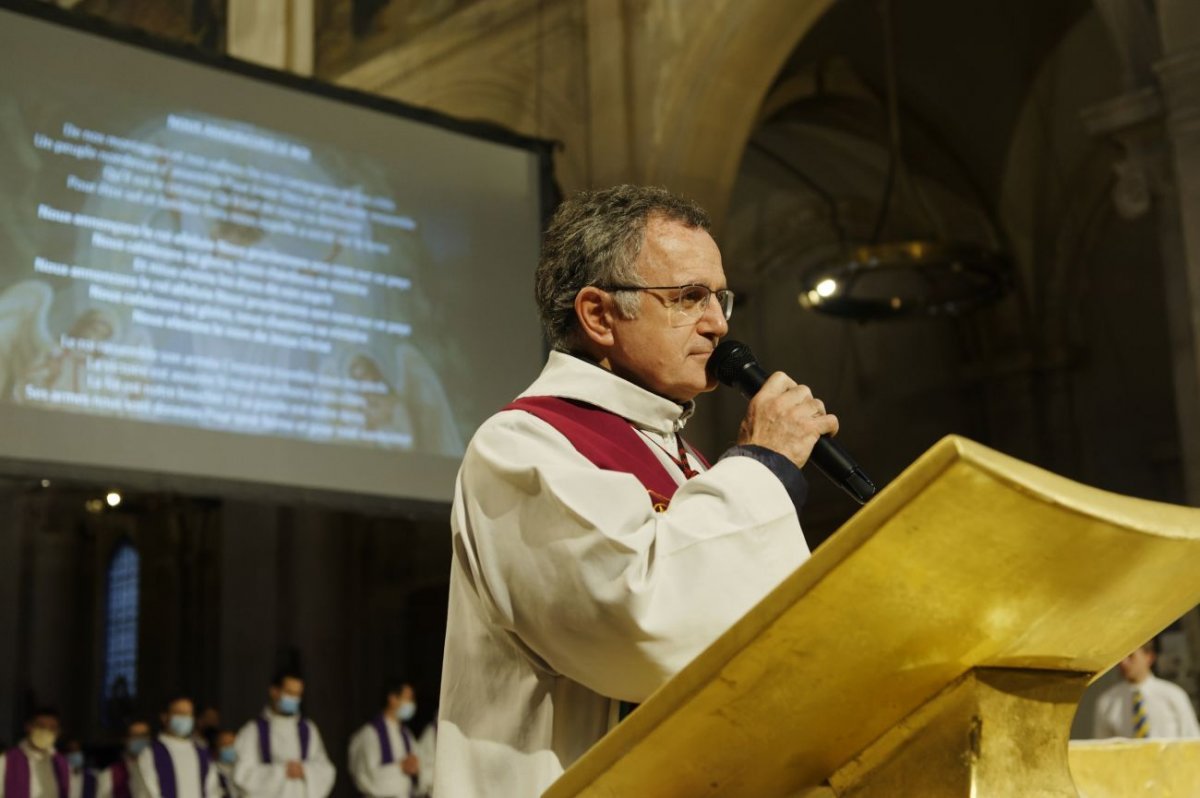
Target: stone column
274 33
1157 126
1179 75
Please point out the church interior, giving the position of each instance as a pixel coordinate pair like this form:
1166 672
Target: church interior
979 219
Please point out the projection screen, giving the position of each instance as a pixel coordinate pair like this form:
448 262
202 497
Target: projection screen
206 274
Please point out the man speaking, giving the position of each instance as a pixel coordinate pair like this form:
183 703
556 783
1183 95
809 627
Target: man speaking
595 552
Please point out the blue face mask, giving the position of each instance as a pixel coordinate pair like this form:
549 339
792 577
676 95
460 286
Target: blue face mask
406 711
228 755
288 704
181 725
136 745
75 760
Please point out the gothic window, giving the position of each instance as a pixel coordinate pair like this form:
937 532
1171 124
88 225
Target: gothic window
121 626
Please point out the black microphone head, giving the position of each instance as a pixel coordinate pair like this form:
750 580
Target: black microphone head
729 360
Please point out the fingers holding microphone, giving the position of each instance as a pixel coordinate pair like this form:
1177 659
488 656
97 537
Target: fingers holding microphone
785 417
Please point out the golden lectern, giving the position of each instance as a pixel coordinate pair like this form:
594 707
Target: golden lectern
937 645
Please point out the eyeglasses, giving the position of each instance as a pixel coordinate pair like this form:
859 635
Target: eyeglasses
690 302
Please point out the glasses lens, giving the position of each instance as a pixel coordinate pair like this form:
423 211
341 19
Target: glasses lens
725 297
693 299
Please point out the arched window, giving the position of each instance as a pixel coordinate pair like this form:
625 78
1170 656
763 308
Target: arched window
121 626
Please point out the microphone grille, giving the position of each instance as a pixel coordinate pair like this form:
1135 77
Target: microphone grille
728 360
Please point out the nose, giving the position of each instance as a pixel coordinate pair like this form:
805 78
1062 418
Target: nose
713 321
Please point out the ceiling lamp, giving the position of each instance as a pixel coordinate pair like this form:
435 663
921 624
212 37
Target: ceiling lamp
911 276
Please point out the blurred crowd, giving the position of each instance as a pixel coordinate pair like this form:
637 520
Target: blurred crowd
279 754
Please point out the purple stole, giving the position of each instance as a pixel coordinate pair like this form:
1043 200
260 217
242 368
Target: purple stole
89 783
165 768
120 779
608 440
385 743
264 739
18 779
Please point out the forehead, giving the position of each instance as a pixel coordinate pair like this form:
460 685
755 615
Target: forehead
674 254
183 705
291 685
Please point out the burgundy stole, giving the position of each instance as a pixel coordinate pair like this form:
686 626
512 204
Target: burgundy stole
120 779
608 440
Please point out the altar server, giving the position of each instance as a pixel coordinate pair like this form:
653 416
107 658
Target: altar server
116 781
280 753
32 768
383 759
173 766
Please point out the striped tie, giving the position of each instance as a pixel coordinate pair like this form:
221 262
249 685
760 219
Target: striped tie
1141 723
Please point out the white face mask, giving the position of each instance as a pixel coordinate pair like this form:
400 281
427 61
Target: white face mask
406 711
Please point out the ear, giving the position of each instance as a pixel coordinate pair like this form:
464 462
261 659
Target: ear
594 312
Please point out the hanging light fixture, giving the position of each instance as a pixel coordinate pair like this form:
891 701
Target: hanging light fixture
907 277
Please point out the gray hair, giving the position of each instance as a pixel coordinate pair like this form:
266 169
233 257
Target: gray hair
594 238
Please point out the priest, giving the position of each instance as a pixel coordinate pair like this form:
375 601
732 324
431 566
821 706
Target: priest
596 552
33 768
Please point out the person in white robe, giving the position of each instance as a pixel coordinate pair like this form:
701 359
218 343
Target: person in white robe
83 779
383 752
578 590
116 780
173 766
280 754
224 753
33 768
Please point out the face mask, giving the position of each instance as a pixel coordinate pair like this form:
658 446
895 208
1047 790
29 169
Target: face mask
42 739
136 745
406 711
181 725
228 755
289 704
75 760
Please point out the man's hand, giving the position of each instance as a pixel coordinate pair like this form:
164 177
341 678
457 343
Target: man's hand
786 418
411 765
295 770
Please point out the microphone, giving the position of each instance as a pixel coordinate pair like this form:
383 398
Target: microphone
733 364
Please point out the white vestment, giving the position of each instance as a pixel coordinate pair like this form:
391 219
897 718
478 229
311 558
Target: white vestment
186 762
1169 711
371 776
42 783
569 593
256 779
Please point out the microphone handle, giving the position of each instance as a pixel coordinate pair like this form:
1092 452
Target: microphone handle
831 459
827 455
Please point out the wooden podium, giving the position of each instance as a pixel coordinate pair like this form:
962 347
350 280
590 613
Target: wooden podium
937 645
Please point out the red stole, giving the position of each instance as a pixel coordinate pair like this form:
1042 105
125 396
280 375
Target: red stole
608 440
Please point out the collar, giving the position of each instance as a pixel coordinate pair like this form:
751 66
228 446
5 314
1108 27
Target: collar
572 377
31 751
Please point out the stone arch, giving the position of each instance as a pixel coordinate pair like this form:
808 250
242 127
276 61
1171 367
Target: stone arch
711 100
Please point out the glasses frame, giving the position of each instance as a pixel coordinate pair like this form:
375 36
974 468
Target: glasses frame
726 311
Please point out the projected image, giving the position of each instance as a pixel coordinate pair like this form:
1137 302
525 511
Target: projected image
202 271
216 278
